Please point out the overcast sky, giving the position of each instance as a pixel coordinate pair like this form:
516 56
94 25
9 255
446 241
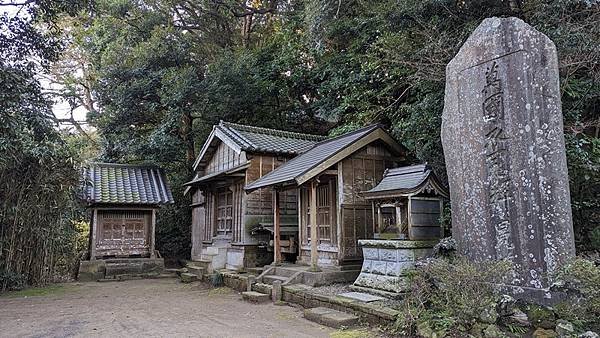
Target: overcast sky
60 108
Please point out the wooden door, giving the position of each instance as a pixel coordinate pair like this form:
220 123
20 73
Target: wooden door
123 233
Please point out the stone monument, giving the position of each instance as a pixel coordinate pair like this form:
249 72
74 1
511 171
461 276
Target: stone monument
502 133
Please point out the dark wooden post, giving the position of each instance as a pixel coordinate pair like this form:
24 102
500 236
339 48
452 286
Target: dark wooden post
276 228
314 240
93 234
152 234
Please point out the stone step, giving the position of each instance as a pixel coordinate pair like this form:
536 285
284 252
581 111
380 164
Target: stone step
282 271
202 263
330 317
255 271
269 279
255 297
196 270
187 277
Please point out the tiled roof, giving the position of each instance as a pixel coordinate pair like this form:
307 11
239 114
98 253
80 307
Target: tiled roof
111 183
406 180
296 167
257 139
268 140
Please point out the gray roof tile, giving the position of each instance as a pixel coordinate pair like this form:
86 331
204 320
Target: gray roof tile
259 139
301 164
406 180
111 183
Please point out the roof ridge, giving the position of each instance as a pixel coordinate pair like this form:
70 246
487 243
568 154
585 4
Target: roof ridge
124 165
350 133
276 132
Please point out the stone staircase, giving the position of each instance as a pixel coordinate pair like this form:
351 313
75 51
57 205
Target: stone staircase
286 276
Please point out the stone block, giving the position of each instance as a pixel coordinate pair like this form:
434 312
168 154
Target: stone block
390 255
187 277
339 319
406 255
378 267
398 268
196 270
255 297
90 271
330 317
366 265
277 292
371 253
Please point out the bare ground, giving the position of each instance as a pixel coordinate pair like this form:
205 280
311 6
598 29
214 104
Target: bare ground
149 308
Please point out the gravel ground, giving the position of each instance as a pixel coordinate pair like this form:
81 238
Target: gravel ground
148 308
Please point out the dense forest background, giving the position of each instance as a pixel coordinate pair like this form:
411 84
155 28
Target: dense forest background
153 76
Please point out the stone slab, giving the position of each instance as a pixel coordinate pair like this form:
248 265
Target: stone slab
330 317
255 297
502 133
361 296
187 277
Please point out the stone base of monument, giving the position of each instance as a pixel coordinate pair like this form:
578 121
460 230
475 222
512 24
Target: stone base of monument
386 263
542 296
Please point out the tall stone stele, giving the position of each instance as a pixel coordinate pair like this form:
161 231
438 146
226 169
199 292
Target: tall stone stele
502 133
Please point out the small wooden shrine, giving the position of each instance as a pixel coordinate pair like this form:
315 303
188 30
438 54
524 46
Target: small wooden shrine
122 200
407 204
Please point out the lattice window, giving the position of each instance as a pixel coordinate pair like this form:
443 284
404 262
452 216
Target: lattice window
224 212
325 210
123 225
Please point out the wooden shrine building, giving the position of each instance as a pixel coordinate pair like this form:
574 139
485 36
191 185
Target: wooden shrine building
123 200
231 227
407 204
329 180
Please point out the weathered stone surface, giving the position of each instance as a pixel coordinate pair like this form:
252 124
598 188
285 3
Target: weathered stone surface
90 271
361 296
564 328
330 317
502 133
187 277
389 261
255 297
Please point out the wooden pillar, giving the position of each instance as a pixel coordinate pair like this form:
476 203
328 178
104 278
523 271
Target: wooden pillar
408 217
93 234
276 228
152 234
399 218
314 240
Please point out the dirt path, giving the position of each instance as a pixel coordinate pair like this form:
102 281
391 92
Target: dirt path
149 308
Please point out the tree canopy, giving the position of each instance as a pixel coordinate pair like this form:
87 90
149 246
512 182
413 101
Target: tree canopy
157 74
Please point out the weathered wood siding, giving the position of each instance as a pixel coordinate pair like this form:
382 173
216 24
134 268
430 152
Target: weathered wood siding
425 218
198 222
123 233
224 158
260 202
359 172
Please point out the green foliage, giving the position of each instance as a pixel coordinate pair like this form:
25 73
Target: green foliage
449 296
216 279
581 280
163 79
37 168
595 238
